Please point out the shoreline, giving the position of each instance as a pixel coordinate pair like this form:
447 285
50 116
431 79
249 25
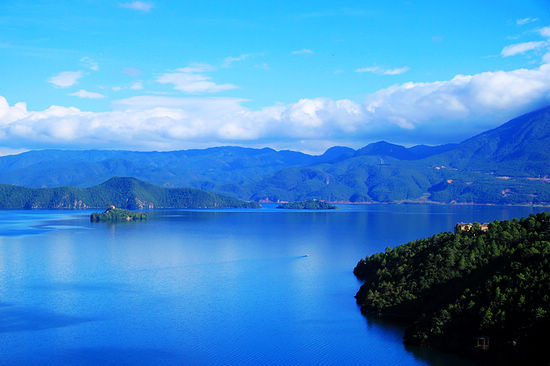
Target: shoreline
403 202
525 204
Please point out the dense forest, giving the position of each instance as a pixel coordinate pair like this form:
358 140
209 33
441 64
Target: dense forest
126 193
117 215
308 205
459 291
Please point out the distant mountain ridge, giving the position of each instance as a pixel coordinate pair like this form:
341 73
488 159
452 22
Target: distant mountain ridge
383 148
126 193
518 147
506 165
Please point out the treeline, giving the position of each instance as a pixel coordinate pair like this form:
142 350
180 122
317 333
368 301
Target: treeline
308 205
455 288
117 215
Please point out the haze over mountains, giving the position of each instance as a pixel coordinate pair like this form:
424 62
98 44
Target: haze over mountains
505 165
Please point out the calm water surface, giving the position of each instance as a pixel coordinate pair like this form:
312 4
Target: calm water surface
207 287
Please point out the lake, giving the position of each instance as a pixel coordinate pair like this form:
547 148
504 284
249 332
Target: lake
207 287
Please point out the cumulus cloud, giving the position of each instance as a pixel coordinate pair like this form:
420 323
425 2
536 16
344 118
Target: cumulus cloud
304 51
11 114
138 5
87 94
521 48
465 103
434 112
191 80
381 71
65 79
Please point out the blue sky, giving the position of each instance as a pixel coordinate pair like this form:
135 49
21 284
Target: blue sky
163 75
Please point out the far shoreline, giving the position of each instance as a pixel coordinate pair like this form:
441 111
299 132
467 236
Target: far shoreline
364 203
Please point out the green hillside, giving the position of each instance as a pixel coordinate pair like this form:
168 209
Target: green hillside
453 288
127 193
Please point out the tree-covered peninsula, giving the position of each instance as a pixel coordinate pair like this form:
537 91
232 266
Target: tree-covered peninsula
481 292
113 214
308 205
128 193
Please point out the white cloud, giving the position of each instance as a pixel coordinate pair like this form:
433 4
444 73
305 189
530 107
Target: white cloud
304 51
87 94
441 111
90 63
545 32
65 79
229 60
138 85
523 21
11 114
521 48
138 5
381 71
191 80
465 102
8 151
396 71
196 67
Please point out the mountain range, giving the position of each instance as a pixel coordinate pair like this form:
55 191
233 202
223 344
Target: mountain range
506 165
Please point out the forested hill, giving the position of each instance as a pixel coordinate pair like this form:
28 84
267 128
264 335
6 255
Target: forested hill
507 165
453 288
128 193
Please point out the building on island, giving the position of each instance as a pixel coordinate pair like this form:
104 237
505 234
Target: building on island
467 226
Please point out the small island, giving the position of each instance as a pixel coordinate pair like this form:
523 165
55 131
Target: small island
308 205
482 290
113 214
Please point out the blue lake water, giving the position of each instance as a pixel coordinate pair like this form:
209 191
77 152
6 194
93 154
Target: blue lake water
207 287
